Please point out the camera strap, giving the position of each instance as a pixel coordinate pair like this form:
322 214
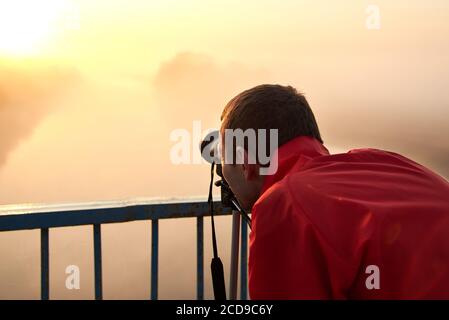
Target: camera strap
216 264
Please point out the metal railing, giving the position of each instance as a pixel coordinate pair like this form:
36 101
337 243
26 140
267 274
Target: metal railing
44 217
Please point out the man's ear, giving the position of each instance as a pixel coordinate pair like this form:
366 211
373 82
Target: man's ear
250 168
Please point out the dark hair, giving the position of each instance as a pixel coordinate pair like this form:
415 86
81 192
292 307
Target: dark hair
270 106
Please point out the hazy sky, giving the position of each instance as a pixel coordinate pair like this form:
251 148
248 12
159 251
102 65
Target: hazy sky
90 91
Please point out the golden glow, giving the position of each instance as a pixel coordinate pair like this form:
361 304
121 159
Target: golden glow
27 25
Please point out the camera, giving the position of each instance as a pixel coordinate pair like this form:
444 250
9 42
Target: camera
210 152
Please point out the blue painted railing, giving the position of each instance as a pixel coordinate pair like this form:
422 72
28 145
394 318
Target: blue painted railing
44 217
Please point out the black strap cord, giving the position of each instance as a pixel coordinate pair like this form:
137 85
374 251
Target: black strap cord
216 264
211 209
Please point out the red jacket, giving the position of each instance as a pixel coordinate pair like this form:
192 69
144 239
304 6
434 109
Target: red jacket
322 220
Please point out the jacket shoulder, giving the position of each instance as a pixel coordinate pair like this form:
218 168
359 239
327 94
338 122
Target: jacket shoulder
276 207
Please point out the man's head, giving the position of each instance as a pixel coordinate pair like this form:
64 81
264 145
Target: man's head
262 107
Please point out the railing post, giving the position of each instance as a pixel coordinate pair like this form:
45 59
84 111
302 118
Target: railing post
244 262
98 263
234 255
200 258
45 278
154 257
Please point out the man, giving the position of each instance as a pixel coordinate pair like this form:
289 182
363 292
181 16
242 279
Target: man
366 224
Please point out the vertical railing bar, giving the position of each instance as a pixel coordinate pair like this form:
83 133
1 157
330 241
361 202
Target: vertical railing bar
200 258
45 278
154 257
98 263
235 247
244 262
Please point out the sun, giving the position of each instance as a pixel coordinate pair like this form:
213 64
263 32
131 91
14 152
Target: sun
26 25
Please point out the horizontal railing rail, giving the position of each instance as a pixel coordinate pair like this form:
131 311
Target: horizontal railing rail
44 217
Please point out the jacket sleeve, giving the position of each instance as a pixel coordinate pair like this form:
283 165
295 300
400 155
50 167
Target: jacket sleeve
286 260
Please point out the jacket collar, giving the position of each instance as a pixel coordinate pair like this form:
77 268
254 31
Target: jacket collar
294 153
